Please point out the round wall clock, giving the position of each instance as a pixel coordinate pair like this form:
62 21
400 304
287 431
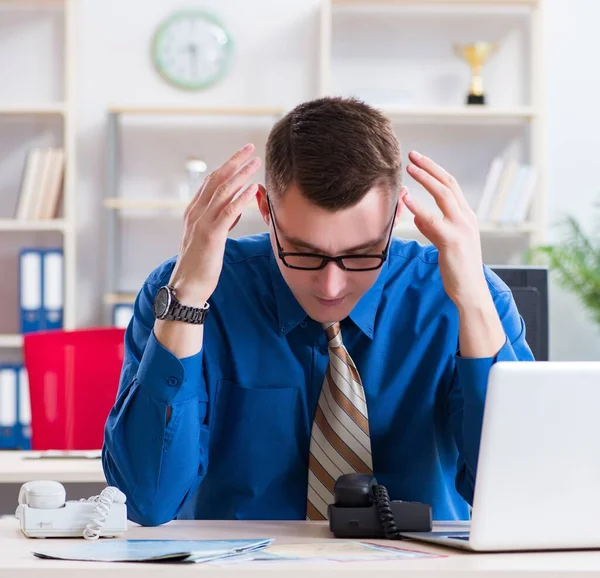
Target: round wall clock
192 50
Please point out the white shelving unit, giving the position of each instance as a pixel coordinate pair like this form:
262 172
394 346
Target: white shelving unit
64 110
117 204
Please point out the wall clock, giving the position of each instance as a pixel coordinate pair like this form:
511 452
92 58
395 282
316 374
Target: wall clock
192 50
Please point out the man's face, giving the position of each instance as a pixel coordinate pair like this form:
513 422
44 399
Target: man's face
331 293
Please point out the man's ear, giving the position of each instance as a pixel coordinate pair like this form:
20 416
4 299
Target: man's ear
401 195
263 207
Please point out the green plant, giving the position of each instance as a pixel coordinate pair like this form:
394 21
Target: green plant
576 262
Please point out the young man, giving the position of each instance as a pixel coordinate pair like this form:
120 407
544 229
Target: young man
258 370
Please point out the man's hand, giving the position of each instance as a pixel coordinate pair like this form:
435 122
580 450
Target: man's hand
455 233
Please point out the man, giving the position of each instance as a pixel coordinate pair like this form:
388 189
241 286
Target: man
258 370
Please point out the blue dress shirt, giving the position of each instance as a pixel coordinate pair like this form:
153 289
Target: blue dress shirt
237 443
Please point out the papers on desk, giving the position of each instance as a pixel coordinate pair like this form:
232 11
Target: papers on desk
330 551
152 550
227 551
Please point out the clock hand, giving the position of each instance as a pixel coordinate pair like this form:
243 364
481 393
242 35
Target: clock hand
194 57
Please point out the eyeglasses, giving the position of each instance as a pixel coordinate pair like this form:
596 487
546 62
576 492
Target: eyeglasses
314 261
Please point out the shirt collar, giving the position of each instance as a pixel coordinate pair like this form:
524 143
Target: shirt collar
290 313
364 312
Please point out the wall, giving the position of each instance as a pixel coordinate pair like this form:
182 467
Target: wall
573 144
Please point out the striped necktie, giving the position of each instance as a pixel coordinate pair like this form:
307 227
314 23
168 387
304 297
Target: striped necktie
339 442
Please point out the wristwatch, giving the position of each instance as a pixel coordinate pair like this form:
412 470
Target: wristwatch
167 307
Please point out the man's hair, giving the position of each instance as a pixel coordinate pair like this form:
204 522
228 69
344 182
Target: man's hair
334 150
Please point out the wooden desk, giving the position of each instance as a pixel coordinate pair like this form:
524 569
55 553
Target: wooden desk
17 561
15 468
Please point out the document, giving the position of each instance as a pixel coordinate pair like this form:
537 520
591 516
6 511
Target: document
152 550
332 551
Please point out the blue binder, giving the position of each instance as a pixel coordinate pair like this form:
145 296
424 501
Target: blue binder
122 314
15 411
30 289
41 273
52 289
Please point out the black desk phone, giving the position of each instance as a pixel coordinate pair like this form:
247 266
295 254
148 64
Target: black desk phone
363 509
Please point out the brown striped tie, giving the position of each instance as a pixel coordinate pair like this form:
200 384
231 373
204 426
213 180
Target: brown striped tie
339 442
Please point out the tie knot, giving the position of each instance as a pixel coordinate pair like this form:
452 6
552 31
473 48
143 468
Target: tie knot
334 334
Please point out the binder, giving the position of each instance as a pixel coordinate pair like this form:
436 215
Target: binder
41 289
15 409
52 289
24 405
122 314
30 289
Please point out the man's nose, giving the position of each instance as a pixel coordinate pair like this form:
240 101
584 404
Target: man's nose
332 281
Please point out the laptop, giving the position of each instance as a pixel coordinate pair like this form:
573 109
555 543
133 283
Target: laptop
538 474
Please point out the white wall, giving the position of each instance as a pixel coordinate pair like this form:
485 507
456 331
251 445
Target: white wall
573 146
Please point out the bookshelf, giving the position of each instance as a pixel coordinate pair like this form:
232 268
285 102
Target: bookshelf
50 111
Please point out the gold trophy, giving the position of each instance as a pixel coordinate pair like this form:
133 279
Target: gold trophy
476 55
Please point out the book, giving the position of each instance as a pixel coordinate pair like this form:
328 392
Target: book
152 550
41 184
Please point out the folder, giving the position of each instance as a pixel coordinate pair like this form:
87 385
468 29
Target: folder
24 405
41 289
10 433
30 289
52 288
122 314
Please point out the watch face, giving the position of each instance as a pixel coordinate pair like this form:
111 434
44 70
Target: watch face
192 50
162 302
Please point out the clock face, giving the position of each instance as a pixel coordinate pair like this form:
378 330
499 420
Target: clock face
192 50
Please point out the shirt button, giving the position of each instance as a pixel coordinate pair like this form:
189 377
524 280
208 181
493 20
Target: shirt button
282 329
303 324
173 381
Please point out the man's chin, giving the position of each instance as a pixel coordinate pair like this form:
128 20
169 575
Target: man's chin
324 314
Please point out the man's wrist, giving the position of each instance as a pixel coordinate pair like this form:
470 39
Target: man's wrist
189 295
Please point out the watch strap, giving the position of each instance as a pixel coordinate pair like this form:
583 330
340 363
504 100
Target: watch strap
194 315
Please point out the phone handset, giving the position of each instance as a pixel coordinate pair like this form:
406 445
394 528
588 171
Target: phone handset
363 509
44 512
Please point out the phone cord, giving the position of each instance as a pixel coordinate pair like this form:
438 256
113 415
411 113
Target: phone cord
386 516
103 504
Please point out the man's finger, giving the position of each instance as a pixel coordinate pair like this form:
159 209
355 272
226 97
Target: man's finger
226 191
230 215
441 175
427 223
442 195
224 172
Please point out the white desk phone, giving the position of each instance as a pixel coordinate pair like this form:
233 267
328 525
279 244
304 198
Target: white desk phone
44 513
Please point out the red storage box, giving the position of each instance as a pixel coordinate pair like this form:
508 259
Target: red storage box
73 382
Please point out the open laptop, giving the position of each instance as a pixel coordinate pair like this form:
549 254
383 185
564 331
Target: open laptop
538 475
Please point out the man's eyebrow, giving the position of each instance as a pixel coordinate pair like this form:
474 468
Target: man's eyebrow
305 245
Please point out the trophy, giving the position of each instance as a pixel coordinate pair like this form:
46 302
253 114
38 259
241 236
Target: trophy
476 55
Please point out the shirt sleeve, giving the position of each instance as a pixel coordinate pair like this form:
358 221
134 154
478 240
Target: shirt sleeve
155 464
467 393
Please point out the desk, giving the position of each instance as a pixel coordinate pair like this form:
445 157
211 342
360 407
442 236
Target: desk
81 477
17 561
16 468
